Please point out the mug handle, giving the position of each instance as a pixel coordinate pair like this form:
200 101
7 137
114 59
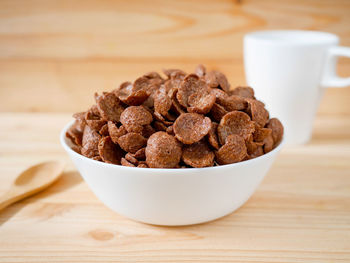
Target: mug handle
330 77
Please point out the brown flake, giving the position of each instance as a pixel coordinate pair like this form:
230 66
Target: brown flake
212 136
217 112
233 151
170 130
130 158
277 129
201 102
90 142
162 102
74 134
131 95
260 134
93 119
200 70
174 73
232 103
135 116
198 154
104 130
115 132
235 122
216 79
268 144
257 111
140 154
109 106
258 152
109 152
163 151
79 121
159 126
147 131
191 127
192 84
244 92
131 142
125 162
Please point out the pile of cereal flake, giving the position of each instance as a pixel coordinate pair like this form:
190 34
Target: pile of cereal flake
181 121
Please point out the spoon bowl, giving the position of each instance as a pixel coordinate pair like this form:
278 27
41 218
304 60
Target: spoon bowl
33 180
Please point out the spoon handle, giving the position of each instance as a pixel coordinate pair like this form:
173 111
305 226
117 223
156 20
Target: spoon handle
5 201
10 198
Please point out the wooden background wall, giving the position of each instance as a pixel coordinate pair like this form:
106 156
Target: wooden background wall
55 54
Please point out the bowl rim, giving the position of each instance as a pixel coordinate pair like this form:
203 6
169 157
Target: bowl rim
324 38
68 149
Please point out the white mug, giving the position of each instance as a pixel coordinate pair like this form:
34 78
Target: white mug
289 70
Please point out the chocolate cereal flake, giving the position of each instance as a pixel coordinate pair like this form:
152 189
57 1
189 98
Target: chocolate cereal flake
74 134
147 130
93 119
109 107
162 102
90 142
170 130
198 155
219 94
258 152
109 152
174 73
163 151
140 154
268 144
161 119
104 130
277 129
212 137
159 126
131 95
191 127
232 103
130 158
79 123
131 142
115 132
257 111
244 92
217 112
176 107
215 79
192 84
200 70
97 158
135 116
233 151
201 102
252 145
125 162
261 133
235 122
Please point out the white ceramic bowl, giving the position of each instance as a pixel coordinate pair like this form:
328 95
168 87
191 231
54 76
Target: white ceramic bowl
172 196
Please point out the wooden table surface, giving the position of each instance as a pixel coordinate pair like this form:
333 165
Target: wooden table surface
300 213
55 54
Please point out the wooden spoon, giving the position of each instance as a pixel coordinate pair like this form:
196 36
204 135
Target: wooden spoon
32 181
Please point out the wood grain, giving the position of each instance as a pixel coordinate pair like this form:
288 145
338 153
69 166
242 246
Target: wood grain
300 213
55 54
